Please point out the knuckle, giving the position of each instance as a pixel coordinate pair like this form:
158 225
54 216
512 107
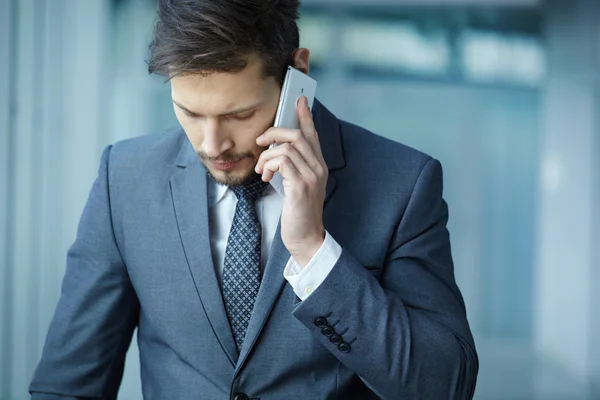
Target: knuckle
269 164
301 186
286 161
317 172
312 179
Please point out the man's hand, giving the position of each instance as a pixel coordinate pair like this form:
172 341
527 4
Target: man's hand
300 162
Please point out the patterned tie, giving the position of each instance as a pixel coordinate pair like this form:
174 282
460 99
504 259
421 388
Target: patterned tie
241 269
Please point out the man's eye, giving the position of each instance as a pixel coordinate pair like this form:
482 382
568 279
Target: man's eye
242 117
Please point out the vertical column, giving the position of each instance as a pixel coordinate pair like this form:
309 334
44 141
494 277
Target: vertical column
595 281
25 193
6 137
51 143
569 196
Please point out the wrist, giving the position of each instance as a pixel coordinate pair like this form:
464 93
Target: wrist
304 252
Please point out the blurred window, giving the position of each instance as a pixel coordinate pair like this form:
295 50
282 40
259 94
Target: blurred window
494 57
395 45
475 46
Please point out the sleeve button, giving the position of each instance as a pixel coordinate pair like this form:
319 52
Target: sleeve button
327 331
320 322
335 339
344 347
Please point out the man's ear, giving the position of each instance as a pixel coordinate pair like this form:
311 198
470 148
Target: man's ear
301 59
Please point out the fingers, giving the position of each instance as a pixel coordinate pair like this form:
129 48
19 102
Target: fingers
279 135
284 165
285 150
307 131
300 146
299 142
307 125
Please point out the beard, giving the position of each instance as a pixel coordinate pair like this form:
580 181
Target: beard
230 178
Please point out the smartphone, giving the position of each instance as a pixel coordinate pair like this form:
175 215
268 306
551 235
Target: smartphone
295 85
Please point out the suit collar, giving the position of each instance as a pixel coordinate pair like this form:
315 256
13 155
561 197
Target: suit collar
330 136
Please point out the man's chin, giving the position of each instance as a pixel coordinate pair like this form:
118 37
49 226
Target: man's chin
232 178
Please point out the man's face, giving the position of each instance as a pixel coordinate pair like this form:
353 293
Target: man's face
223 114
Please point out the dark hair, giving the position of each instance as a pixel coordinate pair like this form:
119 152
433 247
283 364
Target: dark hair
207 36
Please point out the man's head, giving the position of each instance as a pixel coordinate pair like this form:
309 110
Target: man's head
226 60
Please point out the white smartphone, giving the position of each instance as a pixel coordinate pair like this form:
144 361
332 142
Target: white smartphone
295 85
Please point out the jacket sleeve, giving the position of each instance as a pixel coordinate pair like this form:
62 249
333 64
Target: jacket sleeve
96 315
405 335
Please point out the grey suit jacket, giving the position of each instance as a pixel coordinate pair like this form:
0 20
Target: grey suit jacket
388 322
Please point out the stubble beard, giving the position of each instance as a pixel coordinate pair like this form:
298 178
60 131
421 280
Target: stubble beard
230 178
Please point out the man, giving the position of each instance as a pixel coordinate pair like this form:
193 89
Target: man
318 269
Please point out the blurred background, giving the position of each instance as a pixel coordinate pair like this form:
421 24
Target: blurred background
503 92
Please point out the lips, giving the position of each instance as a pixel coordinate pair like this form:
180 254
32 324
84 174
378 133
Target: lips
225 166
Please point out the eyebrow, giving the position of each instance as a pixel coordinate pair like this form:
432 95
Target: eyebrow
232 112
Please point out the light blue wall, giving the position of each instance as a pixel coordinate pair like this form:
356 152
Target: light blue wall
5 175
52 137
566 291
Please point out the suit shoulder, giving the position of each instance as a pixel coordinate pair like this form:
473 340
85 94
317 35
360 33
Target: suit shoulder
367 148
153 150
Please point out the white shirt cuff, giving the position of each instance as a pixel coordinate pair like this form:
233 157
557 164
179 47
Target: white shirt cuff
306 280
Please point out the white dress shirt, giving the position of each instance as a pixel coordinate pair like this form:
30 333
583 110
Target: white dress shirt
222 203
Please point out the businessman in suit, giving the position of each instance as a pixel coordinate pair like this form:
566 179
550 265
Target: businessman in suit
318 269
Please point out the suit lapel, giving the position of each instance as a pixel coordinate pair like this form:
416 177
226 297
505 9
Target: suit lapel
270 288
273 281
189 192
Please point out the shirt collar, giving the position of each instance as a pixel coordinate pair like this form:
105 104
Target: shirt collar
217 191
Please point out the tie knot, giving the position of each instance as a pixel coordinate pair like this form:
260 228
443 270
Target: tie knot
251 191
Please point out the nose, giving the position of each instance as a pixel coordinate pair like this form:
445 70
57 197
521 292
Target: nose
216 141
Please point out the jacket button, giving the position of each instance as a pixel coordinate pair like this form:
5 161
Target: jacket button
240 396
335 339
320 322
344 347
327 331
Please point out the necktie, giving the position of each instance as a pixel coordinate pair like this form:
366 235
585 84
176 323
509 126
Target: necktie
241 269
